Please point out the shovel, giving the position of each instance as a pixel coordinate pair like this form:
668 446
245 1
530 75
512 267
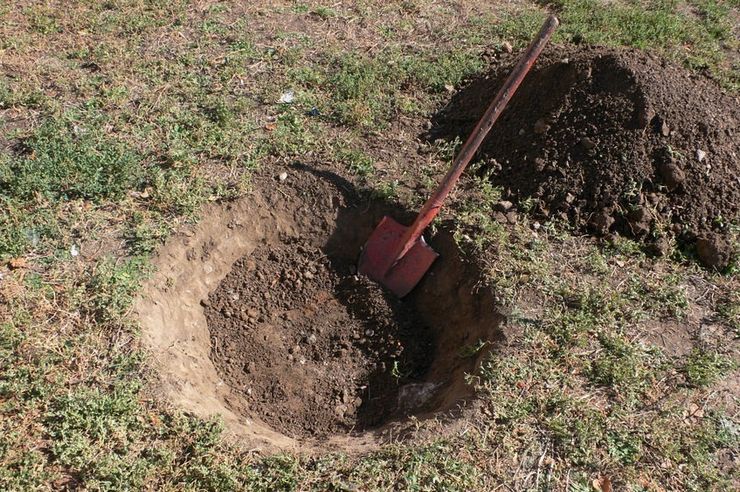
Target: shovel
397 256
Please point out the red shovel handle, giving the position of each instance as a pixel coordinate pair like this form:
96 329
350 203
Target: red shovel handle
431 208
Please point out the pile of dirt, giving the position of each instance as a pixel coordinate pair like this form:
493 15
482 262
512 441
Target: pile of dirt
314 348
614 141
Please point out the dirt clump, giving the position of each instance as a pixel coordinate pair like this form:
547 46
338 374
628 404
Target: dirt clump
313 348
714 250
611 140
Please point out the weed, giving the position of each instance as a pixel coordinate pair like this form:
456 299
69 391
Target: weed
111 287
356 161
386 191
703 367
63 163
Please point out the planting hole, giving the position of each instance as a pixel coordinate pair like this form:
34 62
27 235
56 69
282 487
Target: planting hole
261 317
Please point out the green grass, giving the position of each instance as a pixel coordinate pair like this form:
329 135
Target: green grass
142 111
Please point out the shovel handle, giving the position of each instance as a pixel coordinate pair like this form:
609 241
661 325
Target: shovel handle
431 208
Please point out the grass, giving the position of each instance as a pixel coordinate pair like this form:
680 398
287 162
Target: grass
121 119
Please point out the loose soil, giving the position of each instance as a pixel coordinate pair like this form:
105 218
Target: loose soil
613 140
316 348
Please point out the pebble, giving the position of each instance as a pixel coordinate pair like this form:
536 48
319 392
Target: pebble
283 176
503 206
700 155
507 47
541 126
665 130
308 275
587 143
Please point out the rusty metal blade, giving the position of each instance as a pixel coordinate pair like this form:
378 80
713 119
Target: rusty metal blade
401 277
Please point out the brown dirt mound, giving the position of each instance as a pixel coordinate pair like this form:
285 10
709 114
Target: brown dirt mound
612 141
316 348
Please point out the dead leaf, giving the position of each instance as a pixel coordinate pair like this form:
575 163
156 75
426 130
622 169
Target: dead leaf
603 484
693 412
17 263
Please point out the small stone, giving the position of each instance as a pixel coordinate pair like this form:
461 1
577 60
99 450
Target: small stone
503 206
308 275
569 198
700 155
541 126
512 217
283 176
665 130
311 339
507 47
587 143
449 88
499 217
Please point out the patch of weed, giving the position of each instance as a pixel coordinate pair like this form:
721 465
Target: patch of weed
61 163
704 367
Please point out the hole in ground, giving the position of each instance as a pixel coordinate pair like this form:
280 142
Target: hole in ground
314 348
257 315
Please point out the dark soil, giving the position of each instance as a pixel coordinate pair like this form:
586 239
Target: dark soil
613 141
315 349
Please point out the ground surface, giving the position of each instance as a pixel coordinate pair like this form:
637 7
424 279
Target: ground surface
120 121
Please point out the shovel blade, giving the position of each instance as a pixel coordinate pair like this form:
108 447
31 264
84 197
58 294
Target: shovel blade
377 254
